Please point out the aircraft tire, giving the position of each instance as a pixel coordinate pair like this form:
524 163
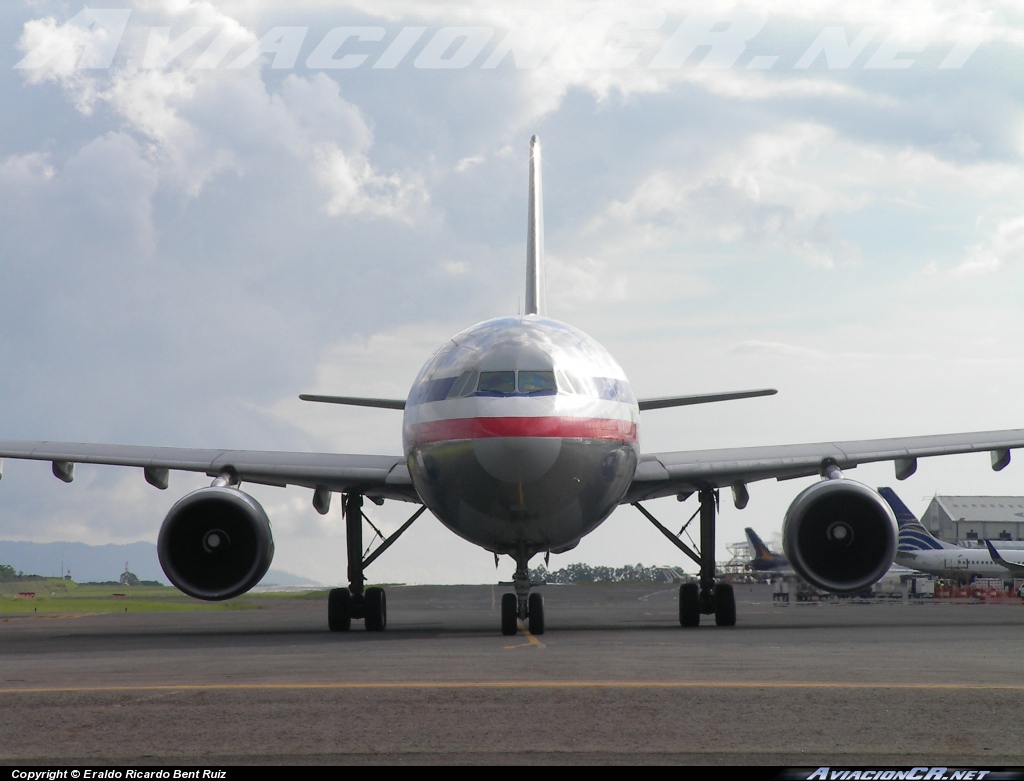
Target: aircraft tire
535 606
725 605
375 607
509 614
339 610
689 605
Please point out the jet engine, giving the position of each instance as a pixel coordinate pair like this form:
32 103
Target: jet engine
839 535
215 543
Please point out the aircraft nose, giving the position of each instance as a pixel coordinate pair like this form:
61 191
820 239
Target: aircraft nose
517 459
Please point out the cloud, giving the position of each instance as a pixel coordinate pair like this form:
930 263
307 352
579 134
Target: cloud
65 53
102 194
583 282
382 365
357 189
757 347
763 194
1003 248
467 162
795 190
200 122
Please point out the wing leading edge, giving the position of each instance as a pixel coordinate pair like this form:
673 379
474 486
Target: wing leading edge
374 476
666 474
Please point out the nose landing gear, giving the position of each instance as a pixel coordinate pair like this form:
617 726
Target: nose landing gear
522 604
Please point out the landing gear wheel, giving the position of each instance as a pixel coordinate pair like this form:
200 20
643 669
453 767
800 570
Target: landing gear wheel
509 614
725 605
375 608
689 605
339 610
535 608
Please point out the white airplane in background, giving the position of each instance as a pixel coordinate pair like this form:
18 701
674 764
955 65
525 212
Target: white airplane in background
918 549
521 435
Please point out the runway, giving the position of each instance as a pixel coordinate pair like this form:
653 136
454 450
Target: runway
614 680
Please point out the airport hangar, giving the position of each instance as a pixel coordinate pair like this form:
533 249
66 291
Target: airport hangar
970 518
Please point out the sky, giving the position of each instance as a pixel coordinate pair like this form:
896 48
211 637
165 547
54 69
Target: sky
208 209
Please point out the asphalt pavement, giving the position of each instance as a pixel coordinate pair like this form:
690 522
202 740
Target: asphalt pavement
615 679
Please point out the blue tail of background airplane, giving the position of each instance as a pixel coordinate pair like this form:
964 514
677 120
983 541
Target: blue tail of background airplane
913 535
760 549
764 560
903 514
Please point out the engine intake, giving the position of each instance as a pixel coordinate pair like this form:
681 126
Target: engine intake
215 543
839 535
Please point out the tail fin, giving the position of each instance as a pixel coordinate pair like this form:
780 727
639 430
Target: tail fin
535 304
760 549
902 512
913 535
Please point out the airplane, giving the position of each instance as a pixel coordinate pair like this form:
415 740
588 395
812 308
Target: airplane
918 549
764 560
521 435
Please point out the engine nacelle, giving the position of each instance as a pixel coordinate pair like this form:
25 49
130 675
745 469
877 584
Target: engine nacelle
839 535
215 543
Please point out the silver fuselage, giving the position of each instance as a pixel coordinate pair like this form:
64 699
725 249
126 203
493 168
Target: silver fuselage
521 434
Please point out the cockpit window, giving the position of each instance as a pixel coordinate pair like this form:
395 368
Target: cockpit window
536 381
613 390
575 383
497 382
464 385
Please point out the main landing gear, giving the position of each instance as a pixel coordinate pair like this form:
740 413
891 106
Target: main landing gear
368 604
522 604
708 597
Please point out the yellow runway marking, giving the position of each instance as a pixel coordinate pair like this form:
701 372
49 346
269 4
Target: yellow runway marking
533 640
530 639
516 685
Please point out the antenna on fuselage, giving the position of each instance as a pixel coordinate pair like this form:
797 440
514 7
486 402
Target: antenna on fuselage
535 304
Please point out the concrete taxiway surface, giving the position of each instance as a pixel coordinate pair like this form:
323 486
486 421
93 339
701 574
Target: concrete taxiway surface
614 680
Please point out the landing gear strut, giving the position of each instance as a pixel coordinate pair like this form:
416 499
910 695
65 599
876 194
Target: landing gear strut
522 605
369 604
708 597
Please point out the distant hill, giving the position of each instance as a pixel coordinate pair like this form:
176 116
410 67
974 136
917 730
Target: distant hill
104 562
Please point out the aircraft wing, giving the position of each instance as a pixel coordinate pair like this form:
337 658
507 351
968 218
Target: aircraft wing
666 474
374 476
1013 566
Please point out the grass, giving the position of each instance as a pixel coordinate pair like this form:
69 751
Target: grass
320 593
53 595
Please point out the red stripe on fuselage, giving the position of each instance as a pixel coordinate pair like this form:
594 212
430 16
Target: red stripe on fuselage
550 426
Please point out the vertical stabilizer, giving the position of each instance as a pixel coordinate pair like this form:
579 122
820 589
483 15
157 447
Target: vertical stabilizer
903 514
535 237
913 535
760 549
